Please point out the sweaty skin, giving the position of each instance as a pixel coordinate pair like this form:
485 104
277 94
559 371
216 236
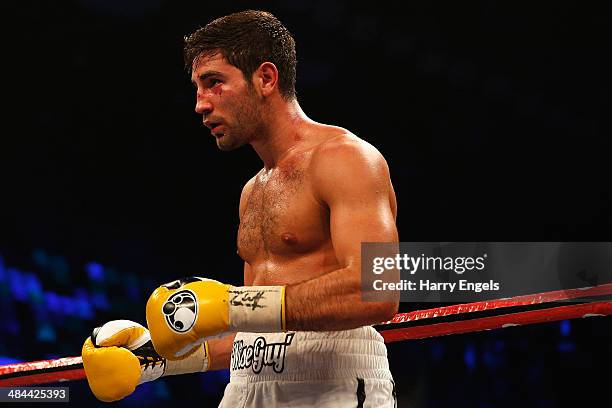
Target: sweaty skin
303 216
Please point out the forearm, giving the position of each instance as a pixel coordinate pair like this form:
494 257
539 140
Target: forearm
332 302
220 351
218 354
329 302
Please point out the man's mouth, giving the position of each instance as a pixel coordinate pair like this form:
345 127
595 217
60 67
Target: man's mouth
216 129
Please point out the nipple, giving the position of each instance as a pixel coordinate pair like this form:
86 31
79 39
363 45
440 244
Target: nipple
289 239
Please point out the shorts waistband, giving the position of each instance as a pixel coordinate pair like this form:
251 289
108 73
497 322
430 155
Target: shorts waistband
309 356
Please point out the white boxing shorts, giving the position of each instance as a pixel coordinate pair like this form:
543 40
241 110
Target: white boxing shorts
310 369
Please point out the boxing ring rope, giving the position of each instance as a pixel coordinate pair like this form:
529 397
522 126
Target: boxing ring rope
71 368
42 372
499 322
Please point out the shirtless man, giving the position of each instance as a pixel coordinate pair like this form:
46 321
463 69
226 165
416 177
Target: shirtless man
297 334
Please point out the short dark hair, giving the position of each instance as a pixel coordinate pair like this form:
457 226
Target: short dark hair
246 40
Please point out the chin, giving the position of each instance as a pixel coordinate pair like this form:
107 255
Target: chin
224 147
227 144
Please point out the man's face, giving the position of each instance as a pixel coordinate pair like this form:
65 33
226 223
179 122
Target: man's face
228 105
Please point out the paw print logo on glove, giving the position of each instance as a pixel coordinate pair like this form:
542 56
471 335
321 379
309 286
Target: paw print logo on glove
181 311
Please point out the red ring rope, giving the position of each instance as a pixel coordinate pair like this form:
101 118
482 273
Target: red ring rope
71 368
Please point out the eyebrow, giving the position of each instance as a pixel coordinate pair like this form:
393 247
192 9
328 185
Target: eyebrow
207 74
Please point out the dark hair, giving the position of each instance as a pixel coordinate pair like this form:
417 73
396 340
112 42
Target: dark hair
246 40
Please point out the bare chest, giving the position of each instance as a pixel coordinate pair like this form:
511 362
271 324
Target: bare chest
281 218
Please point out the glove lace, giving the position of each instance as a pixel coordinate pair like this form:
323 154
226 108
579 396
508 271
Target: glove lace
149 358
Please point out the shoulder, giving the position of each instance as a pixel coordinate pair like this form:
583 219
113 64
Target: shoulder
346 161
342 150
246 189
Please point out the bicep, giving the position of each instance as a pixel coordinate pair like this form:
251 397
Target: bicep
356 187
369 219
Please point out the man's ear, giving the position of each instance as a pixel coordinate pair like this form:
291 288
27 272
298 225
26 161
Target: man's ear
265 78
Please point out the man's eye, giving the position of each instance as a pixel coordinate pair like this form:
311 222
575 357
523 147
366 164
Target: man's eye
214 82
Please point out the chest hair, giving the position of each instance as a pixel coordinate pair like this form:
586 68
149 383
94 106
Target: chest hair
268 209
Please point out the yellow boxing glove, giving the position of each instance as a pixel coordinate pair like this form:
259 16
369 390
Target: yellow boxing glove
119 355
183 314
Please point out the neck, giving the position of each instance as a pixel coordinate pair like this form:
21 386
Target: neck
285 124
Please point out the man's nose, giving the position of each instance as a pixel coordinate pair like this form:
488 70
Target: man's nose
203 105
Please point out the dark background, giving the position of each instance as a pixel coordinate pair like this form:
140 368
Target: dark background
493 117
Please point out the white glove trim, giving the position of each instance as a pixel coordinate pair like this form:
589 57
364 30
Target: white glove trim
256 309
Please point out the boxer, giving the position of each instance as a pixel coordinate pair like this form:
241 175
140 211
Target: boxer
297 332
